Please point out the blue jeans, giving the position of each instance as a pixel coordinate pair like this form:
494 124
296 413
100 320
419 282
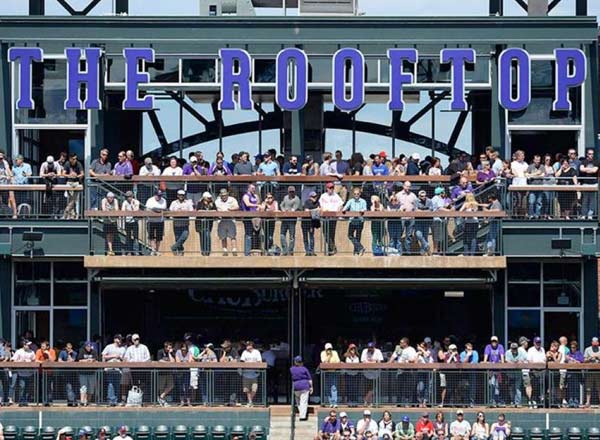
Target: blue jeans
535 204
492 237
205 240
355 229
395 231
25 388
308 237
114 384
588 204
331 384
408 226
181 235
422 234
288 227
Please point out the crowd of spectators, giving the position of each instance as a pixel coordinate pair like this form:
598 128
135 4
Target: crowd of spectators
504 388
185 387
335 427
559 169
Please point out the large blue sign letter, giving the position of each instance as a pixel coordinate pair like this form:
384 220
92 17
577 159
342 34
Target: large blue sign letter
241 77
25 56
397 77
505 84
357 82
133 77
90 77
563 80
457 58
299 87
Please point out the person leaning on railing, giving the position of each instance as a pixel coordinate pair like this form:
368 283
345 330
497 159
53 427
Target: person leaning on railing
290 203
204 225
47 354
156 225
355 228
591 355
567 199
109 225
131 204
181 226
87 378
73 172
588 170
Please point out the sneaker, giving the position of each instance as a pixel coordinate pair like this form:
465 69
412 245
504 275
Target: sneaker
161 401
234 252
224 252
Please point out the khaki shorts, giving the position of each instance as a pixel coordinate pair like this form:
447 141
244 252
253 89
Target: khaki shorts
250 385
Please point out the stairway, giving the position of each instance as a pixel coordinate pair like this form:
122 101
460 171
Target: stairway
280 428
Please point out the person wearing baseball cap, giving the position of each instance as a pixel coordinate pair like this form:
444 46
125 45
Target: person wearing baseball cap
460 429
330 356
405 430
494 353
290 203
330 202
181 225
226 228
204 225
303 388
346 425
356 225
123 434
156 224
366 424
424 427
311 205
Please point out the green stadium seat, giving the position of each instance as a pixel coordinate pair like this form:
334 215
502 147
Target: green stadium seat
142 432
162 432
199 432
218 432
48 433
574 433
517 433
593 433
536 433
29 433
238 431
555 433
180 432
11 432
259 431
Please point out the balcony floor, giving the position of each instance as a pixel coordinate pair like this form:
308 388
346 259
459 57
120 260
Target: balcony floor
294 262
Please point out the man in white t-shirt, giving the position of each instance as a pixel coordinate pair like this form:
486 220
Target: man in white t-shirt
366 424
518 168
536 355
226 228
460 429
250 377
370 355
156 225
114 352
123 434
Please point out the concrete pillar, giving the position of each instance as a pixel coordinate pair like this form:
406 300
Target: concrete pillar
5 103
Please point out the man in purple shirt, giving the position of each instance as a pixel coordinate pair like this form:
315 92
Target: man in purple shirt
331 425
494 353
303 386
460 190
123 166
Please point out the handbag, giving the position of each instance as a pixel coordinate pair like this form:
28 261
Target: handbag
135 396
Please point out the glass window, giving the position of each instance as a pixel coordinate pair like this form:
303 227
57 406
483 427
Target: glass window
523 295
69 271
202 71
319 69
164 70
557 324
557 272
70 326
264 71
48 93
70 294
37 294
430 70
539 111
562 295
115 68
28 271
524 272
38 322
523 322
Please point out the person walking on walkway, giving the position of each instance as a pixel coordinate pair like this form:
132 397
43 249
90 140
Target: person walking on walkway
303 386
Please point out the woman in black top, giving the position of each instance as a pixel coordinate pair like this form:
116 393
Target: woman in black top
566 199
204 224
310 224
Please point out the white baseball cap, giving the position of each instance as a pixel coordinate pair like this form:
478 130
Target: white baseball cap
328 346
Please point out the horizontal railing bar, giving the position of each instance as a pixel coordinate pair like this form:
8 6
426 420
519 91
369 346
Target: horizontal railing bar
433 366
554 188
152 365
296 214
259 178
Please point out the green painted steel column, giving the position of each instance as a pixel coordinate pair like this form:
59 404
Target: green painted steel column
498 126
5 98
590 299
5 292
297 133
591 97
499 305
